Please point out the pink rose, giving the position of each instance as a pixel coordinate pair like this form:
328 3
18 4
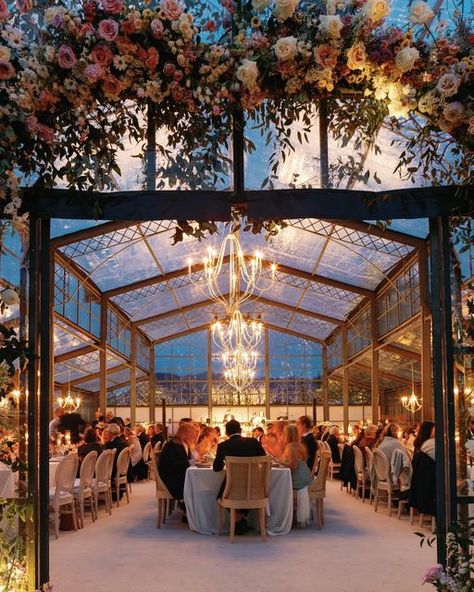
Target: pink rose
108 29
31 124
66 57
112 6
326 55
102 55
112 86
171 8
93 73
433 574
157 28
4 12
87 29
168 69
24 6
178 75
45 133
7 71
177 91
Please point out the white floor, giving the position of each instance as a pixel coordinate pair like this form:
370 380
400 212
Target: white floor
357 550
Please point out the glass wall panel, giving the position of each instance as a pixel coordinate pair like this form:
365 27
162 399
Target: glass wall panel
119 334
358 333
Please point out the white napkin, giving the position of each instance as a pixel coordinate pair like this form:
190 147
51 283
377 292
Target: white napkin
303 507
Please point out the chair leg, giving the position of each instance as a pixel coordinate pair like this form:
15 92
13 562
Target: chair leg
364 483
126 492
389 502
433 524
263 528
219 519
376 500
117 492
74 516
56 522
81 510
232 524
412 516
158 523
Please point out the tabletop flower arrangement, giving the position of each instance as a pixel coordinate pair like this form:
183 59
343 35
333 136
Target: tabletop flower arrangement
75 79
457 576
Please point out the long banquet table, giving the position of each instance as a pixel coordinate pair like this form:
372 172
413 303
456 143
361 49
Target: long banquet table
200 496
9 480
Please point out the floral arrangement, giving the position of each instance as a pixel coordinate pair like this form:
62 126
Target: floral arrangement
458 575
76 78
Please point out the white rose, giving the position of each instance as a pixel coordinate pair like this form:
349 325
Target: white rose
247 73
5 53
52 12
259 5
421 13
454 112
376 10
331 24
10 297
286 48
405 59
284 9
448 84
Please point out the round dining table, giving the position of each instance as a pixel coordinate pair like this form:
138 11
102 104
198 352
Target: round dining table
201 488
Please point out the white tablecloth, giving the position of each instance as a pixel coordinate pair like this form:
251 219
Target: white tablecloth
9 480
200 496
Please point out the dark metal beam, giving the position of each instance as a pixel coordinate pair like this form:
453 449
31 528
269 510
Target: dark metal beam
386 233
401 351
82 351
410 203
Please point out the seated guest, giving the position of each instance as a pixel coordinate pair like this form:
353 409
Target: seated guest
424 440
55 422
389 442
174 459
112 438
318 432
140 434
367 438
290 435
128 423
90 443
355 432
325 434
333 441
207 442
150 432
99 417
185 420
236 445
270 445
73 423
139 469
303 425
277 429
158 436
110 418
295 457
258 433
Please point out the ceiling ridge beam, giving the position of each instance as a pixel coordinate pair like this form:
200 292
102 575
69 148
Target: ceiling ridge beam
75 353
384 233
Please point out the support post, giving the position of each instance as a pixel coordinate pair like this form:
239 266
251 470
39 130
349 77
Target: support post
209 375
238 163
163 418
442 381
426 390
323 143
315 414
325 383
374 374
103 357
133 374
152 383
267 373
345 380
150 171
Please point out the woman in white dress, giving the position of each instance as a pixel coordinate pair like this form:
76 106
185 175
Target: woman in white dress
139 468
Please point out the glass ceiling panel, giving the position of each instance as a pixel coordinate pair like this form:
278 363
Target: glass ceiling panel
84 365
62 226
411 339
327 305
399 365
356 265
67 339
309 326
165 327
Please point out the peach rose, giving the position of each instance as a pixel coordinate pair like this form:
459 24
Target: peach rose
5 53
247 73
102 55
171 8
108 29
454 112
331 25
284 9
112 86
405 58
286 48
66 57
326 55
376 10
7 71
356 57
421 13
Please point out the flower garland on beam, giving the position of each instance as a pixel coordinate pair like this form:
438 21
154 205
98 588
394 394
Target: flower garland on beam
74 82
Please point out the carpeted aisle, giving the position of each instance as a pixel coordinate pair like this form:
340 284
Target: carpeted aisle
357 550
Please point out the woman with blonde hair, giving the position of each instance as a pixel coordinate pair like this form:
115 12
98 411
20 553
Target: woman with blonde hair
207 441
290 435
175 456
295 457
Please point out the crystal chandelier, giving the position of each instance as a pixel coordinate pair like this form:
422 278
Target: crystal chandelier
411 403
69 403
236 336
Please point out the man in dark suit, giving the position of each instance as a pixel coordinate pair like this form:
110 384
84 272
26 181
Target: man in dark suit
158 436
303 425
141 435
113 439
236 445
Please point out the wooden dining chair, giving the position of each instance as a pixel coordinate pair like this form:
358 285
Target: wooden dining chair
246 488
384 481
121 474
361 473
163 495
317 489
